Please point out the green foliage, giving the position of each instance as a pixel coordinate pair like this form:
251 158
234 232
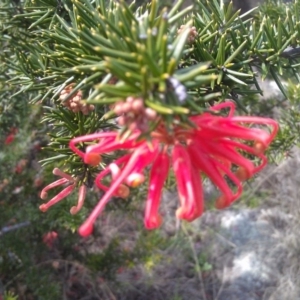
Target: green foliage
115 256
291 116
109 261
10 296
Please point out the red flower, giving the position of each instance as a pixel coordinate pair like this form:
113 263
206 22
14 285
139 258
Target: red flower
218 147
9 139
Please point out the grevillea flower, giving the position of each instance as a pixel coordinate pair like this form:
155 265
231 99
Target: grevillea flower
69 184
222 148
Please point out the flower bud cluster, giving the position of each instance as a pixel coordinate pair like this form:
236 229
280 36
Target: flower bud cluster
75 103
133 114
192 35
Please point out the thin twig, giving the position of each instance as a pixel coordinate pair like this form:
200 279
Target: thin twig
6 229
198 269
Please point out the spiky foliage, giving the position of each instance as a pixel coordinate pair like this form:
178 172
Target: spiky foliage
112 51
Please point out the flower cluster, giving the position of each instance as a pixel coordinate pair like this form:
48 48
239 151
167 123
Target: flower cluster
75 102
69 184
223 148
